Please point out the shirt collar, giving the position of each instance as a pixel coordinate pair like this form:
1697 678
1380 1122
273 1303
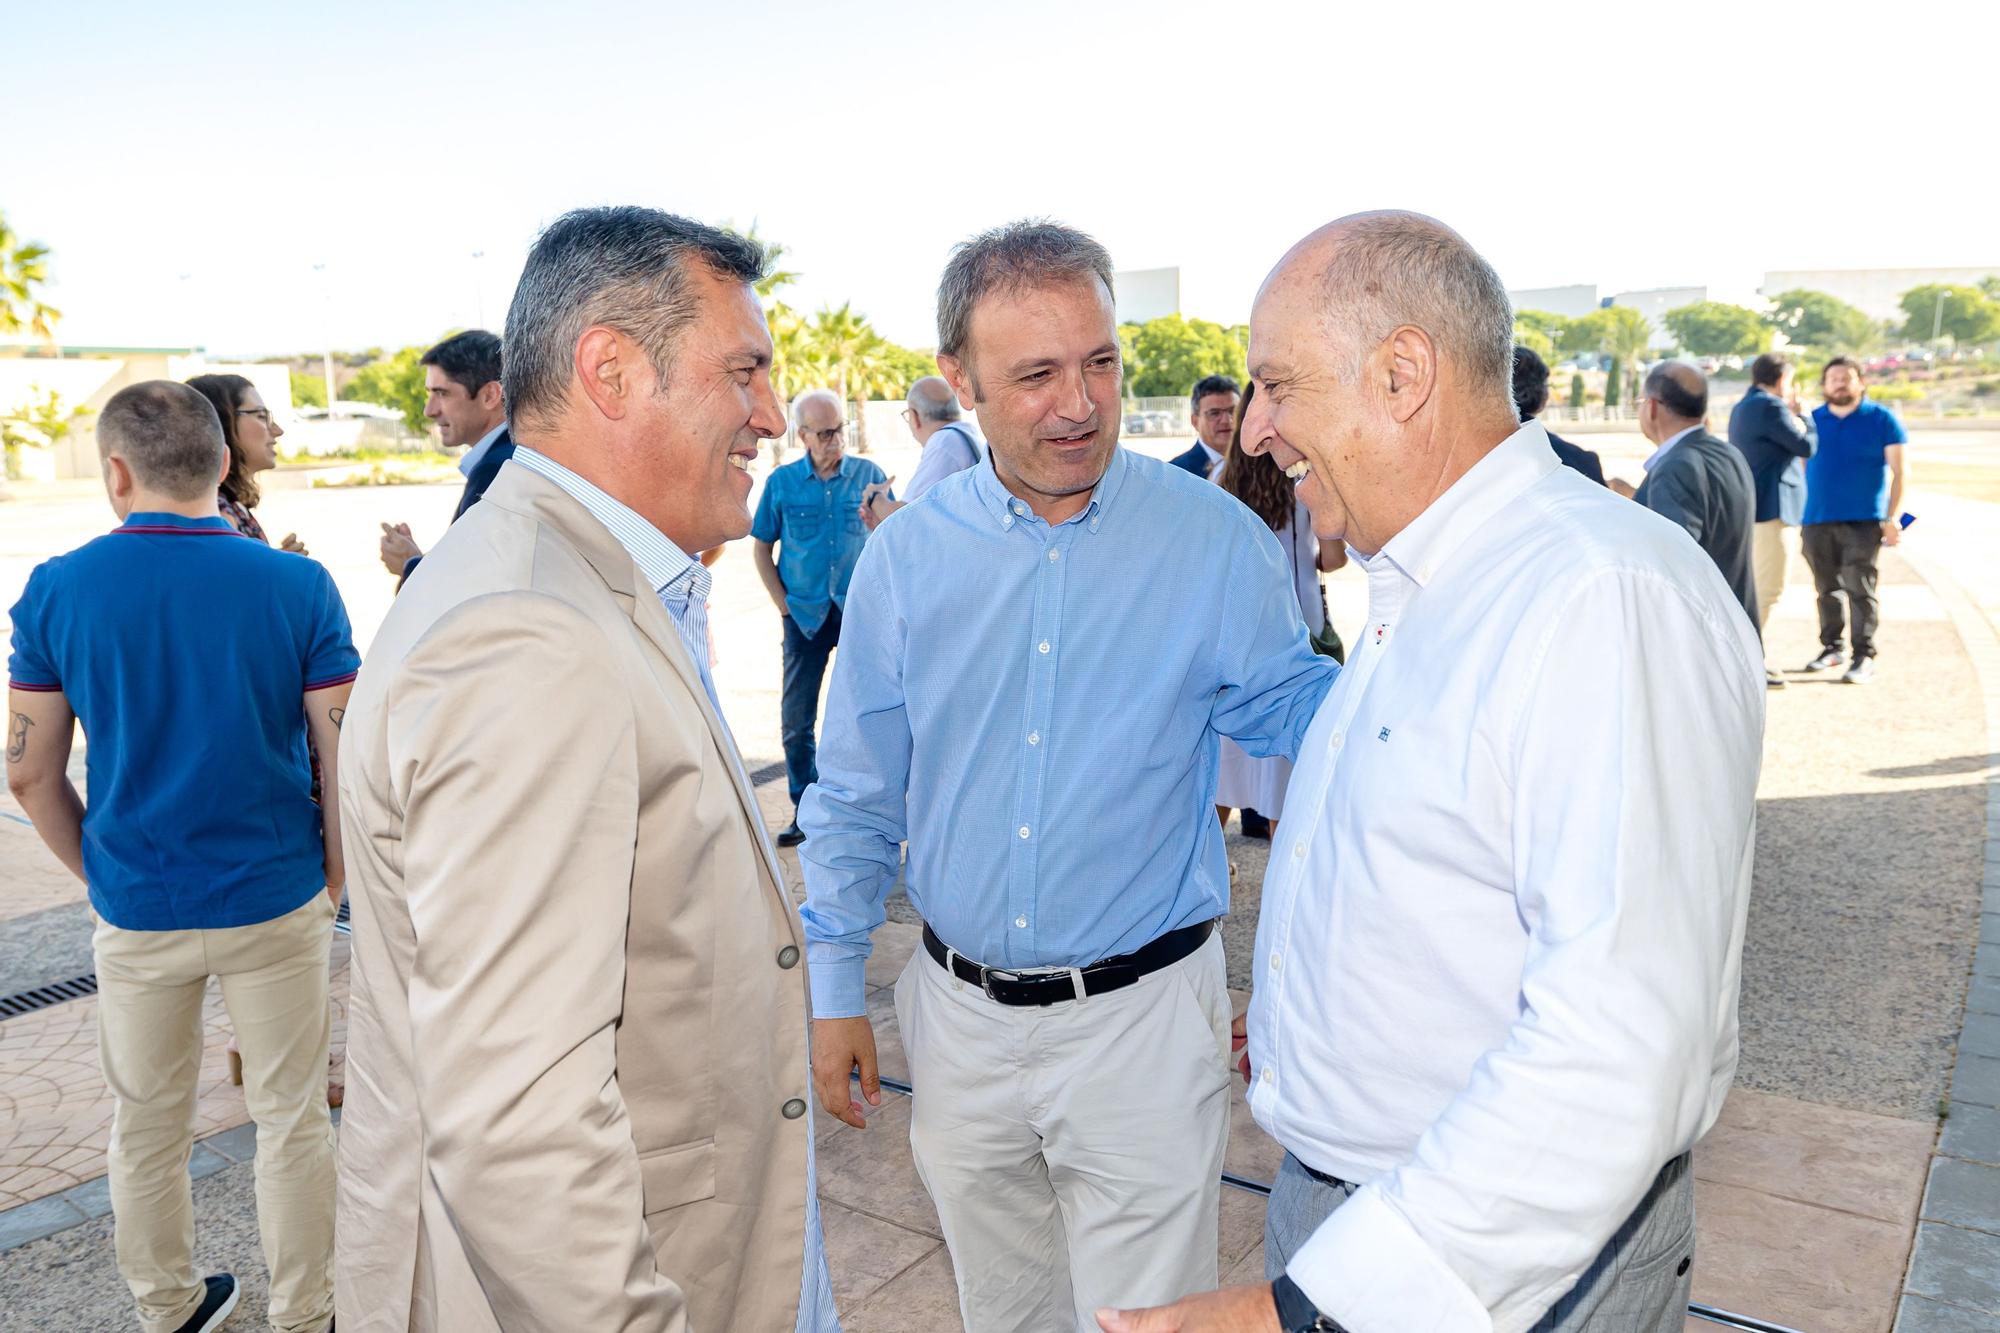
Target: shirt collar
669 571
1213 457
1670 442
1006 507
151 519
478 451
1421 549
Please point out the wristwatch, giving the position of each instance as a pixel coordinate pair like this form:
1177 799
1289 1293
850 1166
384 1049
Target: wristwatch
1296 1312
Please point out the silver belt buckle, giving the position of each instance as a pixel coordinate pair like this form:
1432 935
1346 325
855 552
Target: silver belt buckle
986 975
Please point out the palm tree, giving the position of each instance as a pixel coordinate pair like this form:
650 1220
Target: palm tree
856 358
774 252
23 269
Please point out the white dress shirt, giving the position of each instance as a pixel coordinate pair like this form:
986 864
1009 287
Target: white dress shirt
477 453
1502 928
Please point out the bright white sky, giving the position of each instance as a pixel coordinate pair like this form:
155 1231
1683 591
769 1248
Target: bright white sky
190 164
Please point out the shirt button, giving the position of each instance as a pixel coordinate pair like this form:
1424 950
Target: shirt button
793 1109
1054 556
1042 647
1277 961
788 956
1298 851
1339 739
1269 1075
1024 830
1034 738
1021 922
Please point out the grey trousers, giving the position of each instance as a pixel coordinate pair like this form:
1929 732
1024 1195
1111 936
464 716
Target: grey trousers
1842 557
1638 1283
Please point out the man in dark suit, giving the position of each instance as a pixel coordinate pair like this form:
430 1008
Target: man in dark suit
1775 438
1212 409
1531 395
1695 479
464 397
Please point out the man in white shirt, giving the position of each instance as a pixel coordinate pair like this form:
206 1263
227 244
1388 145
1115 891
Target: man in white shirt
950 444
1500 939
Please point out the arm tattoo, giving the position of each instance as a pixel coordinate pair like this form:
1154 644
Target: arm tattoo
17 738
336 714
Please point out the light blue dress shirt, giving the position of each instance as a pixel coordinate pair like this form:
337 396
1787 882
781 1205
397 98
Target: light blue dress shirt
815 522
683 586
1037 710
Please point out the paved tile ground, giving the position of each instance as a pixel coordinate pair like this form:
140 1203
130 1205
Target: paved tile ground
1810 1188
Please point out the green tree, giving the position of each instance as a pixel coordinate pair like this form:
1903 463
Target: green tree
856 360
308 390
1716 328
1165 356
41 422
24 269
1540 331
396 381
1822 322
774 254
1576 390
1617 332
907 366
1991 286
1966 315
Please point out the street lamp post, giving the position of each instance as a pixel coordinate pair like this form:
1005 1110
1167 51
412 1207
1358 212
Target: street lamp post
326 327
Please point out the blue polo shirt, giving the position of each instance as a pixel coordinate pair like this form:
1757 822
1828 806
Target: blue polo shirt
186 651
1847 478
816 525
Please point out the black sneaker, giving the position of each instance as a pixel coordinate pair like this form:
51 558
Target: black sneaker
792 835
1255 825
215 1305
1861 672
1828 659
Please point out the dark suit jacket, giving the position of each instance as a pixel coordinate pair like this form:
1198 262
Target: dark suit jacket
1195 460
476 483
1704 485
1775 444
1583 460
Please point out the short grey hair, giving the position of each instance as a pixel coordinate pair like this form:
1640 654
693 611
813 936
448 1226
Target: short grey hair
625 268
932 400
1392 269
168 434
827 396
1030 253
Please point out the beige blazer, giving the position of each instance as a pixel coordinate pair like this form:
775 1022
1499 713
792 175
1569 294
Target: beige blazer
576 1050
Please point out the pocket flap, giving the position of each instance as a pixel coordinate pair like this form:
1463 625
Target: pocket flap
673 1177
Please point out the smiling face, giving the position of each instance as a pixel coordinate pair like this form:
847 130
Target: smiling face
462 418
1041 365
257 433
698 437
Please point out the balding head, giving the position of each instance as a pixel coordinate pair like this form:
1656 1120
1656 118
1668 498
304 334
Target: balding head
933 401
1679 392
168 435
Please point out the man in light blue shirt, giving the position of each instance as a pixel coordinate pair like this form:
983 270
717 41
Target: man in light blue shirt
1037 663
811 513
950 444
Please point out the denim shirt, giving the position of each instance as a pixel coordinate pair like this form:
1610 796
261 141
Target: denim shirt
815 523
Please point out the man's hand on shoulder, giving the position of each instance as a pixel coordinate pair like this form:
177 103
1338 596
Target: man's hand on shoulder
839 1047
1249 1309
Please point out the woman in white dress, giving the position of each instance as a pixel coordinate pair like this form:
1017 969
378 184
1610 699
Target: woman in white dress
1257 786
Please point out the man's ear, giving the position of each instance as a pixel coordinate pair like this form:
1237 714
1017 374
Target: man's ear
491 395
608 369
958 375
1413 371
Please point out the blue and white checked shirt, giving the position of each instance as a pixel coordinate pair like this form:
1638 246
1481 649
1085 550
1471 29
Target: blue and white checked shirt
1037 710
683 586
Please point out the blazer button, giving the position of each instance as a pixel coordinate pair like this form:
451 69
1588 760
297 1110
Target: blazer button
788 956
794 1109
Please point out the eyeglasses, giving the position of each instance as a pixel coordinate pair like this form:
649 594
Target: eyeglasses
827 436
262 414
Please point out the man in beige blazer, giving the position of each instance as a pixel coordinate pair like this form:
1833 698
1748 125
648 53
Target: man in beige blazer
578 1079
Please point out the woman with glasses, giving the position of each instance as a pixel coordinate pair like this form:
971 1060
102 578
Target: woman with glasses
252 435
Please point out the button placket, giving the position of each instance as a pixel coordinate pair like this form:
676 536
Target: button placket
1045 637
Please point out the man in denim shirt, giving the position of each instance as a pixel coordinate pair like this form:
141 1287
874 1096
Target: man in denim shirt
811 511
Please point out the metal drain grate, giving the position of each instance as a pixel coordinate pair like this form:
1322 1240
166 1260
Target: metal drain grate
41 997
768 773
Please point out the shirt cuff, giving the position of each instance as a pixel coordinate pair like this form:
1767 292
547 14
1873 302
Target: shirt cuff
34 687
839 985
1367 1267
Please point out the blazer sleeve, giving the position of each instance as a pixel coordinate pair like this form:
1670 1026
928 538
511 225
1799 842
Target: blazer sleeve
1675 492
512 754
1793 435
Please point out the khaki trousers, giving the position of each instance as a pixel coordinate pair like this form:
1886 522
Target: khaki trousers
1767 566
1074 1152
150 985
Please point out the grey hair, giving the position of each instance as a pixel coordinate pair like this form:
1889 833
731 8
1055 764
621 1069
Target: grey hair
932 400
1028 253
1392 269
168 434
625 268
817 396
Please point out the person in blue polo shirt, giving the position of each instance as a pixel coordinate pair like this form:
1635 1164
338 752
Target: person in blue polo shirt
205 668
811 512
1854 491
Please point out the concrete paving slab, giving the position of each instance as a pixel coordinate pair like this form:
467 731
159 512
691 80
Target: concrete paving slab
1956 1267
1973 1133
1918 1315
1980 1036
1977 1081
1809 1268
1869 1165
32 1221
922 1300
1964 1194
864 1254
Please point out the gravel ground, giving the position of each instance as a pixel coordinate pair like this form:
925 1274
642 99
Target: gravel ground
46 946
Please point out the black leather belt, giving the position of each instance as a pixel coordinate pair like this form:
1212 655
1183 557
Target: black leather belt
1005 986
